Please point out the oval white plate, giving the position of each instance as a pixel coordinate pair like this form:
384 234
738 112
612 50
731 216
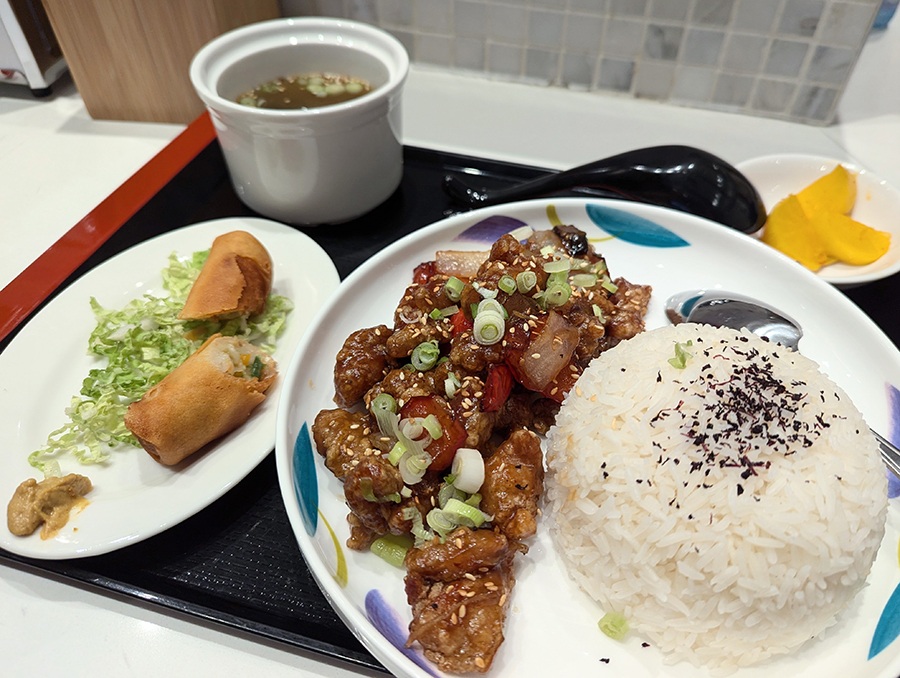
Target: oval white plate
552 626
135 497
877 205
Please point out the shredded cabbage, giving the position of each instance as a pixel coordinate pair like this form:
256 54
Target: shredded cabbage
138 346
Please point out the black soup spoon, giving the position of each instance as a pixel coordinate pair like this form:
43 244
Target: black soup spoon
683 178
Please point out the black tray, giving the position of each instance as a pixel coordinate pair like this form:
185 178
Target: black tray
236 563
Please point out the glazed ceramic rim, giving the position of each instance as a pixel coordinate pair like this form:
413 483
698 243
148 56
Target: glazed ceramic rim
221 53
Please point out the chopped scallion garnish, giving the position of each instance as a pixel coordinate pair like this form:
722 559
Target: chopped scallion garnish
392 548
557 294
433 426
396 453
584 280
453 288
507 283
558 266
384 408
417 528
679 362
451 384
522 233
490 306
488 328
439 313
614 625
425 355
525 281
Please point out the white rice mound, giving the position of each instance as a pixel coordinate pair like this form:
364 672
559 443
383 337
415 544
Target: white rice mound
730 509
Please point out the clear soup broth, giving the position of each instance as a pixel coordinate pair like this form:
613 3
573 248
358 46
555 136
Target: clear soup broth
310 90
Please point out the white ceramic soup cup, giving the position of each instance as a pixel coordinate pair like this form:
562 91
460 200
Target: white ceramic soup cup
315 166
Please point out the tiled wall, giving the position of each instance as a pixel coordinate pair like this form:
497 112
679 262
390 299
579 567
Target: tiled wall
786 59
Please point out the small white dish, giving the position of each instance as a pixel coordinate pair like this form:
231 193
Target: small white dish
134 497
877 205
312 166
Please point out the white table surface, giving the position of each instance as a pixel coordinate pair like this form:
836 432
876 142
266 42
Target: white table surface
56 164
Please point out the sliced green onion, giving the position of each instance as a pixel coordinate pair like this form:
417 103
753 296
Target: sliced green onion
522 233
453 288
439 521
447 492
474 500
413 465
368 493
614 625
584 280
468 469
392 548
507 283
431 424
547 250
491 306
451 384
679 362
365 488
600 267
384 408
488 328
557 294
609 285
439 313
418 531
525 281
597 311
464 514
557 266
558 278
396 453
384 401
425 355
485 292
412 428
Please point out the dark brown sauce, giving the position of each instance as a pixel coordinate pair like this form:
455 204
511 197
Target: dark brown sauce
310 90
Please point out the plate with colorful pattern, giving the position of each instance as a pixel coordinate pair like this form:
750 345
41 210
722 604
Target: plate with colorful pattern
552 626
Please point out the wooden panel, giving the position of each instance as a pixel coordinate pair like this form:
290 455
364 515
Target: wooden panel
130 59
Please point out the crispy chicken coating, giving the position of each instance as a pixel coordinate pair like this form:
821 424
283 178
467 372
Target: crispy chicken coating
459 592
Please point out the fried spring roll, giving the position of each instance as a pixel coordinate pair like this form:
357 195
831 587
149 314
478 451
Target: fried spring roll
210 394
235 280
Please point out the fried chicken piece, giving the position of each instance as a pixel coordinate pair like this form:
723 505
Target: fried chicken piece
344 438
372 490
459 593
513 484
361 363
412 322
631 303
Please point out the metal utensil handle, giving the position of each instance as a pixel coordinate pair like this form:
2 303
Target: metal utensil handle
889 453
